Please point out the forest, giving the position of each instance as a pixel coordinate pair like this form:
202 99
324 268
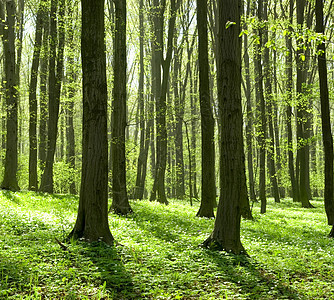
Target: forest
166 149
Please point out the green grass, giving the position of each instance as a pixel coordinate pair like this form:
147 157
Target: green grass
158 254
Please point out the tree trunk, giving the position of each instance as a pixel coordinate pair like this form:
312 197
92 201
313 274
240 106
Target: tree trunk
120 203
161 94
289 92
269 97
33 180
302 106
55 79
10 181
140 181
208 197
226 233
325 117
72 80
249 125
92 220
262 106
43 102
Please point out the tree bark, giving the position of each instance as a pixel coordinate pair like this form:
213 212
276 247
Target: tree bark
262 106
325 117
33 179
269 97
120 203
92 220
302 106
208 196
10 181
226 233
289 96
55 79
249 125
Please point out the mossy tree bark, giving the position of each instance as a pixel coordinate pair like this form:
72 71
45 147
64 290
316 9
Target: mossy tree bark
92 219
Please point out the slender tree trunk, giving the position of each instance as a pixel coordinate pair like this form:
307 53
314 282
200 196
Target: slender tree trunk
92 220
120 203
72 81
249 125
140 181
208 197
43 102
303 152
289 92
269 97
33 180
262 106
10 181
159 178
226 233
55 79
325 119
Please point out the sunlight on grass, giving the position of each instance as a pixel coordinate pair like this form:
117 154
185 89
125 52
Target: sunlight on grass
158 255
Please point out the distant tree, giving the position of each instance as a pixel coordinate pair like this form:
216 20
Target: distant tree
120 203
208 196
233 190
10 181
92 219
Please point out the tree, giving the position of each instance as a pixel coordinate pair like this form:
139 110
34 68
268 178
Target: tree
92 218
56 64
325 118
10 181
33 180
160 91
233 190
262 107
302 107
120 203
208 196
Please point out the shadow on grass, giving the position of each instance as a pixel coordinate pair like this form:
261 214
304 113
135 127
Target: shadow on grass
250 278
109 268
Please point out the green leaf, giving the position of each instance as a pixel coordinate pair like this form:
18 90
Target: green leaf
229 23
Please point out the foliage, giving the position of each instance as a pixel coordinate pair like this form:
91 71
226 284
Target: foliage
157 255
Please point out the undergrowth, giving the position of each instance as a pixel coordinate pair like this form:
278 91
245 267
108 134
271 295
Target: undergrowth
157 255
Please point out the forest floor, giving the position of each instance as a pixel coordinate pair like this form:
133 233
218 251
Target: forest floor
158 254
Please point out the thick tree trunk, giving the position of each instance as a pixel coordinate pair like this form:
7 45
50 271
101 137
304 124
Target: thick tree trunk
55 79
92 220
208 197
10 181
120 203
33 180
233 189
325 118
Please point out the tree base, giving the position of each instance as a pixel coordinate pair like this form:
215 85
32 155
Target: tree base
120 210
214 245
331 234
106 238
